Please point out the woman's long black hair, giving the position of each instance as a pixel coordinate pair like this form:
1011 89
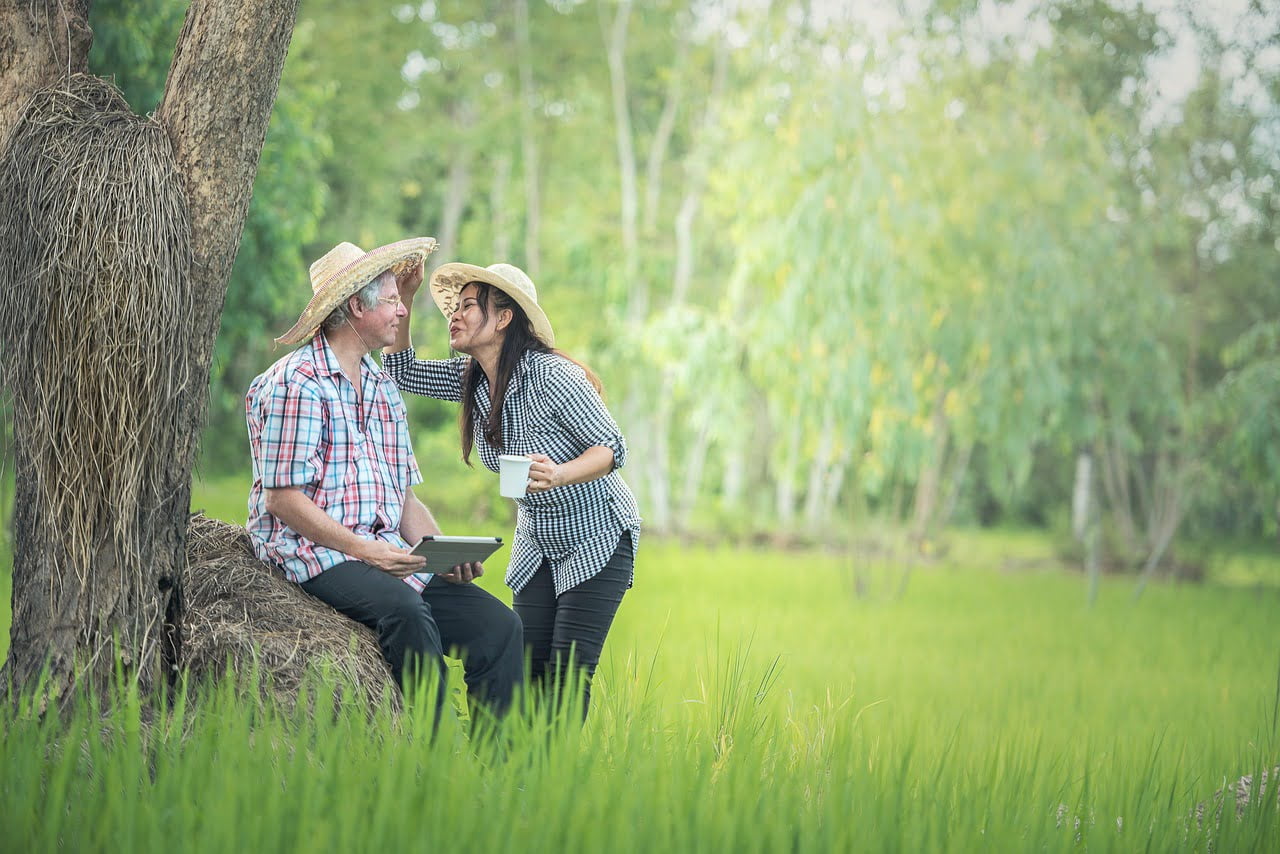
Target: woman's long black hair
519 338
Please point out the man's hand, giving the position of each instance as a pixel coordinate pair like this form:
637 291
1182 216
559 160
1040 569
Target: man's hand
463 573
391 560
408 281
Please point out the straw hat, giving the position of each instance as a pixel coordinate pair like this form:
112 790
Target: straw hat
344 270
448 280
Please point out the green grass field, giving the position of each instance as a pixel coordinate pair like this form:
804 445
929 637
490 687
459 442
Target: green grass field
749 700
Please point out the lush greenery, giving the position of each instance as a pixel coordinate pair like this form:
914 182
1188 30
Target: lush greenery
830 266
747 701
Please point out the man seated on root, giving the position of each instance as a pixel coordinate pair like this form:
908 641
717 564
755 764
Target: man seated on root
332 503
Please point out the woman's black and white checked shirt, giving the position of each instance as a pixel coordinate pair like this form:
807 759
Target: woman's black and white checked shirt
551 408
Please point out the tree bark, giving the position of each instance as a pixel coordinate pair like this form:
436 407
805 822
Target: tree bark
40 42
217 102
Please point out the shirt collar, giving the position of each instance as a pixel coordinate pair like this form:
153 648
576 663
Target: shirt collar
327 361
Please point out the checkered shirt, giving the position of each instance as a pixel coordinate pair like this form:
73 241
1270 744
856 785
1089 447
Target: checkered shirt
353 460
551 408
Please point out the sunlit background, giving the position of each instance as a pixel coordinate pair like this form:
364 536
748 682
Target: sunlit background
839 264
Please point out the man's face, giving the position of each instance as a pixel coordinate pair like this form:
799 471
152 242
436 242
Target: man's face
378 325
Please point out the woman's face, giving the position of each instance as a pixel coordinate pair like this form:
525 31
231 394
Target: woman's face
470 329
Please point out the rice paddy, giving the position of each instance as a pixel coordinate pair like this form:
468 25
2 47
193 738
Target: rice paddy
749 700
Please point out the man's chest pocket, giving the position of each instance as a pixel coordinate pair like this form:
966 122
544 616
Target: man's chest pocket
378 454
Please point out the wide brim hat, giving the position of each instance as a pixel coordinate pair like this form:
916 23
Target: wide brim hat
448 280
344 270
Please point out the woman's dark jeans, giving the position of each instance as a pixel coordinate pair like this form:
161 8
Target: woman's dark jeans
576 622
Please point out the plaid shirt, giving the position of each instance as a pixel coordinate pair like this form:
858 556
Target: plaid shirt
551 408
354 461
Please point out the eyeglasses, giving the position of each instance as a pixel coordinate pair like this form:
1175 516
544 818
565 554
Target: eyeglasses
395 300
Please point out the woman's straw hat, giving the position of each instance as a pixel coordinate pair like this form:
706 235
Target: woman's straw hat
344 270
448 280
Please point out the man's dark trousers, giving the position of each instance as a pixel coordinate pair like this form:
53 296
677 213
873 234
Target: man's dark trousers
415 628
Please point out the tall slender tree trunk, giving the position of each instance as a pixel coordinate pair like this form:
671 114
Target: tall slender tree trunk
498 204
115 610
1084 521
929 484
819 469
528 143
694 465
616 53
457 186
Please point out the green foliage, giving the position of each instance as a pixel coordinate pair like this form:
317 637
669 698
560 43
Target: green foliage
927 265
133 43
982 710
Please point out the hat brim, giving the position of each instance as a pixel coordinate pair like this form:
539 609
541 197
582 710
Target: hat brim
448 280
396 257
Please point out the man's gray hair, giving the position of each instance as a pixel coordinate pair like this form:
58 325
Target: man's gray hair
368 295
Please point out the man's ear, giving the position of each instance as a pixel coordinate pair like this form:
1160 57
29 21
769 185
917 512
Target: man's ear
504 319
355 308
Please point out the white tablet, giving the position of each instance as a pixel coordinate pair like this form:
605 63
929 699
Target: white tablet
444 553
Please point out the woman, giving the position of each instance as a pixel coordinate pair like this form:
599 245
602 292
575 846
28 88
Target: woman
577 528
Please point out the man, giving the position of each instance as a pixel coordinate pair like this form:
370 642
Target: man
331 502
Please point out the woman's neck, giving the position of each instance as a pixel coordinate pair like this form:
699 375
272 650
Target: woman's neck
487 359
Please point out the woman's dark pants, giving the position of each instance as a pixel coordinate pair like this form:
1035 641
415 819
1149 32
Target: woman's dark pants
577 620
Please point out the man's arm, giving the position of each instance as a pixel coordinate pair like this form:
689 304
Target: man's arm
295 509
416 522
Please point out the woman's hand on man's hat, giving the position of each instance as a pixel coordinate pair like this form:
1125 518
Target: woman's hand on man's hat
408 282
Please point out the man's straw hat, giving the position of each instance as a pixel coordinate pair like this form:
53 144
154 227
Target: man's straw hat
448 280
344 270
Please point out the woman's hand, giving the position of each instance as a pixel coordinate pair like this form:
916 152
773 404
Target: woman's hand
408 281
544 474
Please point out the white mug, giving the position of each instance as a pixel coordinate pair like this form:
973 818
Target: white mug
513 475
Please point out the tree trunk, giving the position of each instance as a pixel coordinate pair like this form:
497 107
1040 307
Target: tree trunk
929 486
819 470
1084 523
528 143
662 133
696 181
118 605
695 464
785 476
616 50
457 189
41 42
498 204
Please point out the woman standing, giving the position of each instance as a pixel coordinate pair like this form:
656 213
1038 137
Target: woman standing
577 528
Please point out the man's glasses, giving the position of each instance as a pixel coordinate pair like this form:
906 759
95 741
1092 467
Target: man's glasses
395 300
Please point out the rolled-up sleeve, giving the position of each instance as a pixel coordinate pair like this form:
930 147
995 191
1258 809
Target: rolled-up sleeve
582 413
292 432
437 378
